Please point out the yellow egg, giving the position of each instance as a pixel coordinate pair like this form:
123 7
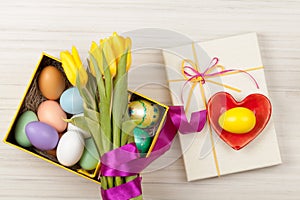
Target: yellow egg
237 120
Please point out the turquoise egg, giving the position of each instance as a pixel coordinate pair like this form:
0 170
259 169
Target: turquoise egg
90 157
143 113
142 140
20 134
71 101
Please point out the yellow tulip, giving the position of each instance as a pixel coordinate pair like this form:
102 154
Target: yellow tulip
128 46
113 48
119 45
96 51
72 66
109 56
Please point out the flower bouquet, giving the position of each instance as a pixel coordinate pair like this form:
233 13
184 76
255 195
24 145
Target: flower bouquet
103 88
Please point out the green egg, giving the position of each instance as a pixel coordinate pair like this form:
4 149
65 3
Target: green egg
90 156
142 140
20 134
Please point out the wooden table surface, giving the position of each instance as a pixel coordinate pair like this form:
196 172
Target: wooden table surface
29 27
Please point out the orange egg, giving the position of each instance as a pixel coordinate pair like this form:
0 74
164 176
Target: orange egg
51 82
52 114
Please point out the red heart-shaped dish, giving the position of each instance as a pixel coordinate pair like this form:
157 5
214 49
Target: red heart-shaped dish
259 104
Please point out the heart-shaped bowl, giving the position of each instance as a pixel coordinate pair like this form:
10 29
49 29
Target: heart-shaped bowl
259 104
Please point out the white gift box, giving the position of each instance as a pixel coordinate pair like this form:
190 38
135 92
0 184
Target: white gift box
205 154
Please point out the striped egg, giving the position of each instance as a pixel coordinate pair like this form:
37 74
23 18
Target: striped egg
143 113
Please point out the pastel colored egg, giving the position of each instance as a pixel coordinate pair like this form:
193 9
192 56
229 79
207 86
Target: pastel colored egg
20 134
143 113
70 148
142 140
71 101
238 120
72 127
51 113
41 135
51 82
90 156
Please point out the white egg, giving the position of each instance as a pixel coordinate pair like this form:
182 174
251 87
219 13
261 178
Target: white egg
71 127
70 148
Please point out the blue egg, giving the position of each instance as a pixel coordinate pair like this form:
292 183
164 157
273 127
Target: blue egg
71 101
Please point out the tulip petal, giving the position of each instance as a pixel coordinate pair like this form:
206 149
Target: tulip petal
92 52
118 45
77 61
68 67
128 48
110 57
82 76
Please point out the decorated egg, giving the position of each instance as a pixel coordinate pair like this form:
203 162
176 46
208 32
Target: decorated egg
41 135
51 113
143 113
51 82
70 148
72 127
237 120
90 156
20 134
71 101
142 140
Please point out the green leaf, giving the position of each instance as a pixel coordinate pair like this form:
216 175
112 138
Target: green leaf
92 85
120 100
95 131
79 122
91 114
87 94
107 77
99 79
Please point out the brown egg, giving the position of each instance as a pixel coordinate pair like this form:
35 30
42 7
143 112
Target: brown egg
51 82
52 152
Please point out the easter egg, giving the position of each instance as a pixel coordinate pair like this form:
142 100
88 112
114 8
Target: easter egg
258 104
142 140
143 113
70 148
51 113
237 120
71 101
90 156
51 82
20 134
41 135
72 127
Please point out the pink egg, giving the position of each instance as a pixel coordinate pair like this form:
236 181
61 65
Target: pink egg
52 114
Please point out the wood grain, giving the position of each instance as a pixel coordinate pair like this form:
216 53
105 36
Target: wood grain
29 27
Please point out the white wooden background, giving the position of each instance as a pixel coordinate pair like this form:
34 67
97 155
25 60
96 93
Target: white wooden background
28 27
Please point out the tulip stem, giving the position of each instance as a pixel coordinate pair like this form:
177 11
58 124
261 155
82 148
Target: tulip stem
119 107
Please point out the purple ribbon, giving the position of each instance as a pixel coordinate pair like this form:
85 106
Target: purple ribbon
194 74
126 160
125 191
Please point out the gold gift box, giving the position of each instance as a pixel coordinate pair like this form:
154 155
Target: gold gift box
44 61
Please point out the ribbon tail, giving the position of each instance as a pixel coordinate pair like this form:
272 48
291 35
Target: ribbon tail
196 124
125 191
